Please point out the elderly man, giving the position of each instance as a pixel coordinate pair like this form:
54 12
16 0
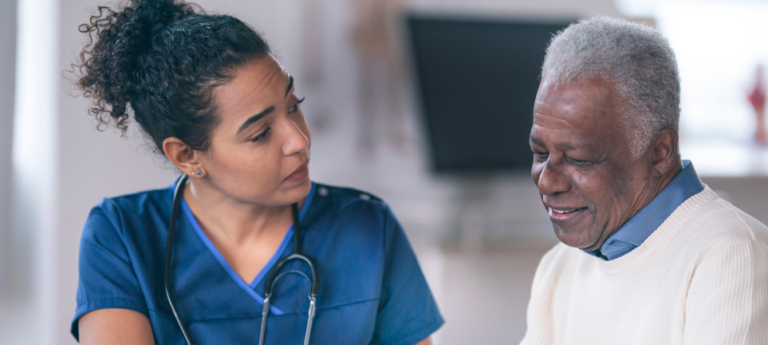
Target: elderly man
649 255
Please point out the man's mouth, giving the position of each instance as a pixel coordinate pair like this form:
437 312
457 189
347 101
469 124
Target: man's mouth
565 211
565 214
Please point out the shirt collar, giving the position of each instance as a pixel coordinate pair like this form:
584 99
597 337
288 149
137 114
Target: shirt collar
635 231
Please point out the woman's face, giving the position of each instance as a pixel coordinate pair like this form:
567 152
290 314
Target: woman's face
260 148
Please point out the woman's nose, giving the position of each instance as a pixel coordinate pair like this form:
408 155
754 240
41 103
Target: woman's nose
295 140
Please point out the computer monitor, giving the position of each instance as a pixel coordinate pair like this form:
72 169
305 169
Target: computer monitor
478 80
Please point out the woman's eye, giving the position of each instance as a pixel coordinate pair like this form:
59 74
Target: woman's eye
296 106
261 136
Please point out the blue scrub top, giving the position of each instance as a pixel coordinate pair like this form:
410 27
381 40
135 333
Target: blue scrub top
372 290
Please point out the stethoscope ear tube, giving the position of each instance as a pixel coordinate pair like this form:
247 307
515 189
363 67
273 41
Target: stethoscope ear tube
270 283
272 277
168 251
297 255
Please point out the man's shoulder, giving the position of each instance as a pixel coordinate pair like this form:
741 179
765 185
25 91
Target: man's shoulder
746 225
720 232
725 223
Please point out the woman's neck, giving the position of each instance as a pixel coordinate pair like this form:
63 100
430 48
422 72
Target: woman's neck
232 220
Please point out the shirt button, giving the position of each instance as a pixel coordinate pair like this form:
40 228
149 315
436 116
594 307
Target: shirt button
323 191
365 197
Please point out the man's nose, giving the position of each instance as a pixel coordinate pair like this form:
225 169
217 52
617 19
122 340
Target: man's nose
552 180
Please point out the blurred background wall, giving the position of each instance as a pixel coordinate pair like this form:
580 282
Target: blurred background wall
7 87
479 236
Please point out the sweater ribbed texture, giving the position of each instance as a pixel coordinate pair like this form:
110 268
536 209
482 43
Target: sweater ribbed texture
700 278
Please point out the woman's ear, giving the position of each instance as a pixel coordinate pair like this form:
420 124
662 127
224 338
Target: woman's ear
183 157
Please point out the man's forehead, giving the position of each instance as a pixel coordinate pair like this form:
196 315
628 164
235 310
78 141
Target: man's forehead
583 106
551 121
561 138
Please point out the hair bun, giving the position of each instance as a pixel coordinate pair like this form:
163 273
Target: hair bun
118 40
158 27
163 60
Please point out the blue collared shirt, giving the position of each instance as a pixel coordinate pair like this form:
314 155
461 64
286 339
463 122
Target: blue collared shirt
635 231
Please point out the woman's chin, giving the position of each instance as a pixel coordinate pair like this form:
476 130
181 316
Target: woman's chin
300 190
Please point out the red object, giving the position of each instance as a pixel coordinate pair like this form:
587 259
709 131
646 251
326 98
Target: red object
757 99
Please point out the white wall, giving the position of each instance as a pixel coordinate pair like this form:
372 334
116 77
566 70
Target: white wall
34 162
7 86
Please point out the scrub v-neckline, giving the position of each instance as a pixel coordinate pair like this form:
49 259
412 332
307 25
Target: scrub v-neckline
249 288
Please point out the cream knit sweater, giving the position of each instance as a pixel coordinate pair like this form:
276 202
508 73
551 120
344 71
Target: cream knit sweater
700 278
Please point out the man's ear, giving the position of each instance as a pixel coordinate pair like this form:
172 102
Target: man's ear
665 155
183 157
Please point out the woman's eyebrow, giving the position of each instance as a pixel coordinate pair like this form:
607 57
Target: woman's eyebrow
251 120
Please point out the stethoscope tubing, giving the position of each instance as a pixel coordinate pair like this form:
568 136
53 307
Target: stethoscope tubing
168 251
272 276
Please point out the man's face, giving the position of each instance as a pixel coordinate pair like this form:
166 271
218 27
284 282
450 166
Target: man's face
583 167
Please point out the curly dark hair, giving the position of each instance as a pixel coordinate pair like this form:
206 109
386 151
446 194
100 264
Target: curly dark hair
163 59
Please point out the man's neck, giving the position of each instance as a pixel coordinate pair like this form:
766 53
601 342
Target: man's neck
653 188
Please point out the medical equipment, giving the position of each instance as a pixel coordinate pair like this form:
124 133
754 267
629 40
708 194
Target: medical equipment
272 277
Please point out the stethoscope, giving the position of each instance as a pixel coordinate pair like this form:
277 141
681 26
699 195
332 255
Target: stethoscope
272 277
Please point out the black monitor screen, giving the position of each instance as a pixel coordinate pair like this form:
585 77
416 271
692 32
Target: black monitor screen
478 81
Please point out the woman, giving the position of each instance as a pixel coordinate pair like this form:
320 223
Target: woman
215 101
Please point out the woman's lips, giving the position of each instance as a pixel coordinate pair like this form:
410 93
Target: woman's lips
299 174
565 215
